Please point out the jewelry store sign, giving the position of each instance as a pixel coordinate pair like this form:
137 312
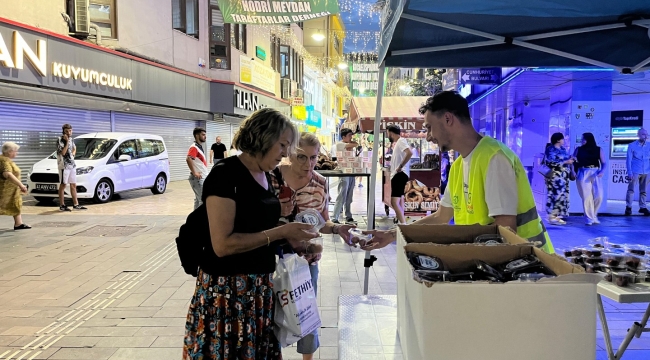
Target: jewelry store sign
14 56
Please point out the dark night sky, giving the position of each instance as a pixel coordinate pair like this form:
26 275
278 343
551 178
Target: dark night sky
368 21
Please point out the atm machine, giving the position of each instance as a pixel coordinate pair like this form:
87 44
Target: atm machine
625 126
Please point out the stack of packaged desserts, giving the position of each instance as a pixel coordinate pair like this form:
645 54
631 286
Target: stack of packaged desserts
621 264
526 268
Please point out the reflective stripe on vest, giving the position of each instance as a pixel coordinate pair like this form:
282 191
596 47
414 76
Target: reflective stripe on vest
474 210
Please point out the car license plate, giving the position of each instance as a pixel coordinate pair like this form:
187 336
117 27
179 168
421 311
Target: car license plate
47 187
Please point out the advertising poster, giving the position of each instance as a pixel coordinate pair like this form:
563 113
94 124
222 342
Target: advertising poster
421 198
254 73
275 12
364 79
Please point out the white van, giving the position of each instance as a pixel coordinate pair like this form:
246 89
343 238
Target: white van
107 163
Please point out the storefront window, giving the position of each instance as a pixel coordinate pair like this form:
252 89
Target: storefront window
219 35
185 16
285 60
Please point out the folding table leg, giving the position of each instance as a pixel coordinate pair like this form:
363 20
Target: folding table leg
635 330
603 322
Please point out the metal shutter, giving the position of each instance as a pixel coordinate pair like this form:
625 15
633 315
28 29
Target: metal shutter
35 128
215 129
177 134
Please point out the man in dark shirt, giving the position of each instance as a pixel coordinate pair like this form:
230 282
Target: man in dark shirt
218 150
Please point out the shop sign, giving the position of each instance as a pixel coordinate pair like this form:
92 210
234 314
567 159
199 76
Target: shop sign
314 117
260 53
297 101
364 79
485 76
630 118
255 73
450 80
38 60
247 100
299 112
275 12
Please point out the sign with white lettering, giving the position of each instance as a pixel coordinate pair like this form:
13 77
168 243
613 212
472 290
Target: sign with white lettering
22 50
364 79
629 118
247 100
253 72
488 76
275 12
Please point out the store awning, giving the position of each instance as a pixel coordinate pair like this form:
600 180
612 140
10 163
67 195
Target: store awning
398 110
512 33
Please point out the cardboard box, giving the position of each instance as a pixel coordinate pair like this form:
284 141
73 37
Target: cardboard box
544 320
358 167
348 170
349 153
339 154
353 160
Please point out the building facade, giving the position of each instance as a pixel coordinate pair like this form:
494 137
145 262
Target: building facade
138 66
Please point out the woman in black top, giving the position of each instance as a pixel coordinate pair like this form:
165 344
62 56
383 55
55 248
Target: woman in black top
231 313
591 168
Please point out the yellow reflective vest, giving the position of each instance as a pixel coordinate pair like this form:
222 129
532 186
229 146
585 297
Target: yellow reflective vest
473 208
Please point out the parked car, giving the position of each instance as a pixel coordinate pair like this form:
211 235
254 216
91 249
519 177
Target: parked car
107 163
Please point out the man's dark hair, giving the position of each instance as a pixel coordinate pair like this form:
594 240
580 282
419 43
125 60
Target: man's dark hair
448 101
555 138
394 129
345 132
198 131
66 127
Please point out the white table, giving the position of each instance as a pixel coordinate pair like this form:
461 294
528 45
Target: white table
635 293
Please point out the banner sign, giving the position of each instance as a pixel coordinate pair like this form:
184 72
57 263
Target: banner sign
364 79
629 118
297 101
254 73
450 80
275 12
488 76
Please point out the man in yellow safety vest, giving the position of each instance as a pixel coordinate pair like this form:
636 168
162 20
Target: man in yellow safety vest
487 183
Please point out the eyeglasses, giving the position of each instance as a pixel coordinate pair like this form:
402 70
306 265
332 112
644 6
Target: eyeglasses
302 159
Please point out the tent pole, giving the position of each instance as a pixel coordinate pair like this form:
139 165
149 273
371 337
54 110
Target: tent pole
641 65
447 47
565 55
373 176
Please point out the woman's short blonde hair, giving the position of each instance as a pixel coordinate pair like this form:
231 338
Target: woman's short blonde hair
309 139
260 131
9 147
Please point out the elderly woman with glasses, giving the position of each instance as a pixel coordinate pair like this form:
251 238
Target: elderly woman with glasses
11 188
301 188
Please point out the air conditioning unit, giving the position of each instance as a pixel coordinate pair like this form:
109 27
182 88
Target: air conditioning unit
285 87
299 93
81 16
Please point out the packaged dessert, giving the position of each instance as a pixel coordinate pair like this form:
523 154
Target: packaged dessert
592 252
314 246
312 217
612 259
424 262
485 271
598 242
576 252
642 275
636 250
526 264
446 276
592 268
607 276
592 260
623 278
489 239
363 239
565 252
634 262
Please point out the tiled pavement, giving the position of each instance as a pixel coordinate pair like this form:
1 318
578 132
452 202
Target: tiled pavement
66 295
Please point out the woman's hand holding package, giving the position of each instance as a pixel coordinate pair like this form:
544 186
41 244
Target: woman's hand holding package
298 235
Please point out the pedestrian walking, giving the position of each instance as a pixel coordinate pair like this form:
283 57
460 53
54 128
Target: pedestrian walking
231 315
557 159
300 188
11 189
591 164
198 165
638 168
65 153
400 170
346 184
218 151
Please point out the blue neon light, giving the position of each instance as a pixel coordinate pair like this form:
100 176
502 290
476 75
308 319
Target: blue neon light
576 69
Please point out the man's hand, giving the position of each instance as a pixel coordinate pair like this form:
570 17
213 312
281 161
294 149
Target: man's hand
197 175
380 239
23 189
344 233
630 176
66 137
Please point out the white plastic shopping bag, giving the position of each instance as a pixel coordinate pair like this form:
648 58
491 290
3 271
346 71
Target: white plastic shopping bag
296 311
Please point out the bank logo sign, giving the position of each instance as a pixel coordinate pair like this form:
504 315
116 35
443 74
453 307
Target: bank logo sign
275 12
21 51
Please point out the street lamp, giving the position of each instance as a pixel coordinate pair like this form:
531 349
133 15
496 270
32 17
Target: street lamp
318 36
343 65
